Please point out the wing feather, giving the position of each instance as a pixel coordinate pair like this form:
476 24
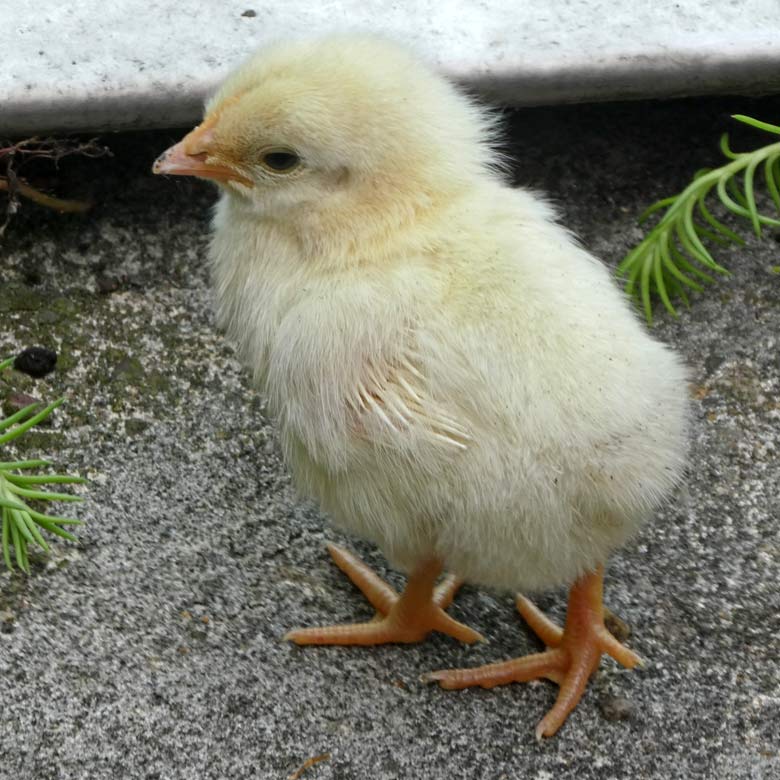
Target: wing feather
393 401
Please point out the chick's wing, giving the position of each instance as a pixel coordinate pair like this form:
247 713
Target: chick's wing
391 405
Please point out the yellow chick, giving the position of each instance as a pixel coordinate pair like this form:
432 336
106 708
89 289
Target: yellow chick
452 375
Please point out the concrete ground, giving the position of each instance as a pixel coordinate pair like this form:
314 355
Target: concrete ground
149 63
152 648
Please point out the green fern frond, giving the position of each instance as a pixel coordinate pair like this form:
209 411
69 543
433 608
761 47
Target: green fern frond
673 259
21 524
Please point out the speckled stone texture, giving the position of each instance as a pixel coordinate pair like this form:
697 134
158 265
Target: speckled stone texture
152 649
149 63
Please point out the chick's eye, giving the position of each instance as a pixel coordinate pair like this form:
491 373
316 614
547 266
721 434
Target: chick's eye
281 160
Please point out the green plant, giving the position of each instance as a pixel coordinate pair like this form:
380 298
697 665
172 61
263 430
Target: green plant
673 258
21 523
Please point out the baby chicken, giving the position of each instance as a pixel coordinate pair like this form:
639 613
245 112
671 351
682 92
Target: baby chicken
453 377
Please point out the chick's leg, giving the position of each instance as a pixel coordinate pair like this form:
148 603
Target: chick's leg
573 653
409 617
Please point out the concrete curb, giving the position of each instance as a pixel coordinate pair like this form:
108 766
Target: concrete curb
149 63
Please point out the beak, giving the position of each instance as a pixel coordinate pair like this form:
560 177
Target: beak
190 157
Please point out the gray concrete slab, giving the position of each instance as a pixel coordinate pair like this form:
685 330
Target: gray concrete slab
148 63
152 649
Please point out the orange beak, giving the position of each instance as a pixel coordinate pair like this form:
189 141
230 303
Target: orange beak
190 157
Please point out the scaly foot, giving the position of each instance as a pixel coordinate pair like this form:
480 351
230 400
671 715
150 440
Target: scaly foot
573 653
409 617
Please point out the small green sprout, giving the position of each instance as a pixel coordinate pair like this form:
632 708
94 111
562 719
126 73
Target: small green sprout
672 258
21 524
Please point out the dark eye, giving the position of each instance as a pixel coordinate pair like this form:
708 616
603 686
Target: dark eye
281 160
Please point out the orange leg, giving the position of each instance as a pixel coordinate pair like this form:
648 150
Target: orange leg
409 617
573 653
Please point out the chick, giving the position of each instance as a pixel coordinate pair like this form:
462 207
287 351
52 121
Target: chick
453 377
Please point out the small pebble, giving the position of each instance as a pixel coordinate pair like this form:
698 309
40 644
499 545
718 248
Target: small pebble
616 626
135 426
107 284
616 708
48 317
15 402
36 361
249 12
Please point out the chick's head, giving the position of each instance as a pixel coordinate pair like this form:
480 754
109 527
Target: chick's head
333 123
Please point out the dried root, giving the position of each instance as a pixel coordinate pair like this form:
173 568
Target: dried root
14 156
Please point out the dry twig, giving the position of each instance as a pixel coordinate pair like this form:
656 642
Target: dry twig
307 764
58 204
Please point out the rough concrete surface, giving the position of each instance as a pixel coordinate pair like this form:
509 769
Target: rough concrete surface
149 63
152 648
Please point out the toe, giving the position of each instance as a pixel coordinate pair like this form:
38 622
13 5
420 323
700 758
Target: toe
463 633
538 622
374 588
446 590
529 667
618 651
372 633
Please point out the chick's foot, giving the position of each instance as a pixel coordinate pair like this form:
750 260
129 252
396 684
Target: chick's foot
573 653
408 617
